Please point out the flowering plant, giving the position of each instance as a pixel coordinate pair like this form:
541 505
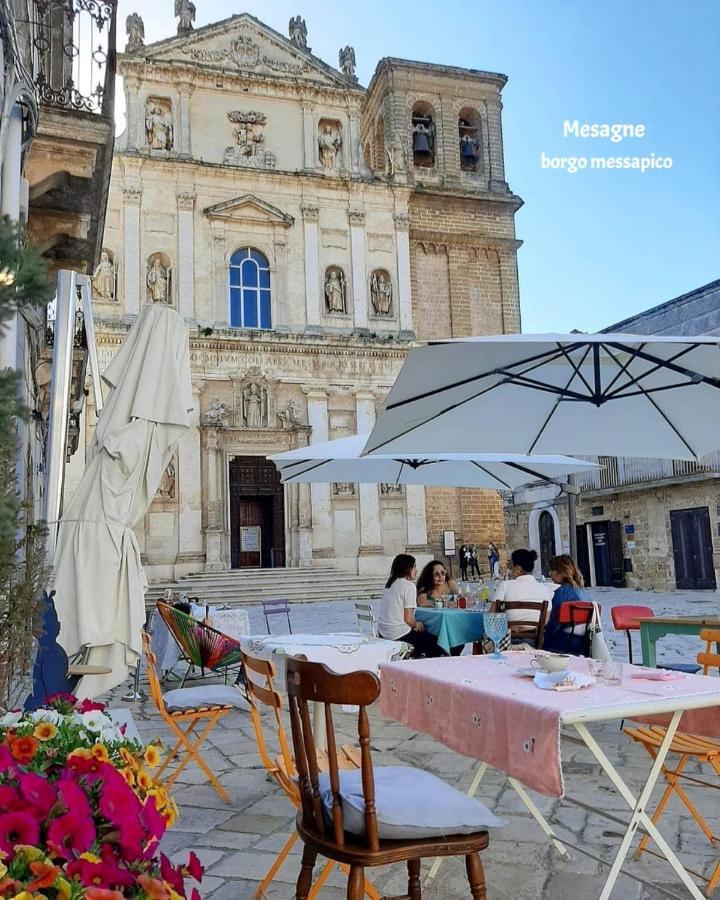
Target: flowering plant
81 817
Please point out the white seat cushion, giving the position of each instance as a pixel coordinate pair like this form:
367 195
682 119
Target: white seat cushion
410 804
205 695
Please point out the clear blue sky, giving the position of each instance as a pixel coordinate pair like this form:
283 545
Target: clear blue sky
598 245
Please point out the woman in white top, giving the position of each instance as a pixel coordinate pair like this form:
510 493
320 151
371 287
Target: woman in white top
396 621
523 586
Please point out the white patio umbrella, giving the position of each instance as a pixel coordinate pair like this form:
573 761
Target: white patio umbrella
98 577
341 460
584 394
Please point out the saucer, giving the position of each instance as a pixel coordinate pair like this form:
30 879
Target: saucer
555 681
527 672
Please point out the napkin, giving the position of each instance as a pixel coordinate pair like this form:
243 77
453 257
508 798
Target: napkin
657 674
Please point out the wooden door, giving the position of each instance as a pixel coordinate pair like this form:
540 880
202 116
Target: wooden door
617 560
692 548
546 530
583 553
256 501
601 553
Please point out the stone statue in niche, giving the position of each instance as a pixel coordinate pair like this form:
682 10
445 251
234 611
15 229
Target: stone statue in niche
335 290
344 488
381 293
255 406
347 62
166 490
158 126
158 281
135 30
103 278
217 414
185 12
297 29
290 415
329 144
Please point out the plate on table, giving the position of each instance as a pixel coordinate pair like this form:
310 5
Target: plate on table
563 681
527 672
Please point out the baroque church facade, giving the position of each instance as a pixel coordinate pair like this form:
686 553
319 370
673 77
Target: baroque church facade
310 231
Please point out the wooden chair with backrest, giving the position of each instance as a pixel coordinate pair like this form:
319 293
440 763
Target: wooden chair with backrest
201 645
323 821
367 623
281 766
687 747
528 630
184 710
276 608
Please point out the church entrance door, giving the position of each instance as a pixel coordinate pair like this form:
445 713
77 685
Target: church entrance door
257 514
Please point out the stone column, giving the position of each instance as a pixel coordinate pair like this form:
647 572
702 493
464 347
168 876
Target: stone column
317 402
311 217
185 92
308 135
221 289
371 550
416 521
354 139
131 112
359 274
189 489
305 539
280 311
404 291
131 253
214 508
186 305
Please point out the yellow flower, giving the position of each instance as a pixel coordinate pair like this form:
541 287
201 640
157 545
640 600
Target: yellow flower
45 731
32 854
144 781
127 757
90 857
128 775
3 870
80 751
64 888
152 756
99 751
171 813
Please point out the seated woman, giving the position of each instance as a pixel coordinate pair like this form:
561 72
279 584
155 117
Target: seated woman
396 621
560 638
434 583
523 586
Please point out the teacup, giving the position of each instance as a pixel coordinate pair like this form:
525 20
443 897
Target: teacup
555 663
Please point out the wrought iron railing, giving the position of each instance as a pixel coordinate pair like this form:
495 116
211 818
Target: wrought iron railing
73 51
626 471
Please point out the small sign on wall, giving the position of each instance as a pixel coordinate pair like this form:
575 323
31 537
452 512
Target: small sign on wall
250 539
630 545
449 543
629 529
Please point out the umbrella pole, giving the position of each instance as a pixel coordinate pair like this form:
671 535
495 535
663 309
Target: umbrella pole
572 491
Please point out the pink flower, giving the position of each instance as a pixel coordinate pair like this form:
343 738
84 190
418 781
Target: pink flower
71 834
171 875
195 868
88 705
7 763
118 801
152 819
38 792
100 874
74 797
9 798
18 827
194 896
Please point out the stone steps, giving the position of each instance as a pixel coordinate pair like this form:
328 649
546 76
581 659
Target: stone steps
248 587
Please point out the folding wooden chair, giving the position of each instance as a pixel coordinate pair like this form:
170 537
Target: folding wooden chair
201 645
190 707
281 767
367 623
275 608
526 630
687 747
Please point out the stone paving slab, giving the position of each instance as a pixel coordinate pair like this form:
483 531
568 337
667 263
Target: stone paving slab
238 841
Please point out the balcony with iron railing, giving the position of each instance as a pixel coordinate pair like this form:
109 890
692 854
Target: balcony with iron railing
627 472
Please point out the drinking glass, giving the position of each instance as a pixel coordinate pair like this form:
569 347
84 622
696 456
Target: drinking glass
495 626
613 672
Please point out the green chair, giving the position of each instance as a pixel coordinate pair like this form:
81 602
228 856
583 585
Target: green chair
201 645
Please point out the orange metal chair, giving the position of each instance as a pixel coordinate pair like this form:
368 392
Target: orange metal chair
281 767
190 707
687 747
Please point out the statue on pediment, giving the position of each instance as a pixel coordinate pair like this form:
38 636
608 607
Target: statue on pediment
185 12
135 30
347 62
297 29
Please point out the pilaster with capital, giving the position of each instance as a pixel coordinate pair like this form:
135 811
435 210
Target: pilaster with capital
370 532
359 267
402 249
354 143
317 403
186 204
185 91
131 113
219 268
190 486
416 521
311 218
281 312
214 530
308 135
132 196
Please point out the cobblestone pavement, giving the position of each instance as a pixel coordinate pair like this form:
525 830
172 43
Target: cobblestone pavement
238 841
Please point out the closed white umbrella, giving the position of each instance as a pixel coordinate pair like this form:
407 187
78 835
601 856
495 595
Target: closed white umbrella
341 460
98 577
584 394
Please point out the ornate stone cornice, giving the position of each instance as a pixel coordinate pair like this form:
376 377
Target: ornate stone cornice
402 220
132 195
436 241
356 217
185 200
310 213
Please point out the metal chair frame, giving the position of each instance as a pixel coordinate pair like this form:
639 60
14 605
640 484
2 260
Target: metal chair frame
365 616
276 608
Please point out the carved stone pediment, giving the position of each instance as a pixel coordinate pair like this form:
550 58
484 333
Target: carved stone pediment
249 209
244 44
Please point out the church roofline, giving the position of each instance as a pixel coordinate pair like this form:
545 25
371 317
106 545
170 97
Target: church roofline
394 62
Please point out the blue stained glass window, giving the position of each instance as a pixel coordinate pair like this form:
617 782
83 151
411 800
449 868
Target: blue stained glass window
250 305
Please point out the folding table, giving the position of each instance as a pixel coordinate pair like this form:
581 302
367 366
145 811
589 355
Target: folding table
651 630
483 708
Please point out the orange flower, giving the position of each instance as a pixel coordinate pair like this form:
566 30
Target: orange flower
81 752
128 775
128 758
152 756
23 748
144 781
154 889
99 751
45 731
45 875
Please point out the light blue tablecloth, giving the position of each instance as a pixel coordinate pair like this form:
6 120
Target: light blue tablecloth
452 627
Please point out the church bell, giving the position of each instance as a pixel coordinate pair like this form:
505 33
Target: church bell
468 154
421 146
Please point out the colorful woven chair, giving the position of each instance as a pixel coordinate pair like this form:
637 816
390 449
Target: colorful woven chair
201 645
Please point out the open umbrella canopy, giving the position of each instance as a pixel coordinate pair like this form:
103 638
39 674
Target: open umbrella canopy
585 394
98 575
341 460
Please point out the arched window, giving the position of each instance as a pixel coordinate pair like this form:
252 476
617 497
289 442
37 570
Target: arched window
249 289
423 135
469 139
546 532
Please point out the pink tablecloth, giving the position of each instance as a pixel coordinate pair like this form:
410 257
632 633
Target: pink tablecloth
480 708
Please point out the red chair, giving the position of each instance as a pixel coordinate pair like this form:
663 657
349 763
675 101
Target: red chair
627 619
577 614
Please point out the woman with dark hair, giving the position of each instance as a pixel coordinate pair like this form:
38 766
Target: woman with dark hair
396 621
523 586
434 583
559 638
